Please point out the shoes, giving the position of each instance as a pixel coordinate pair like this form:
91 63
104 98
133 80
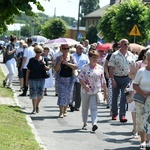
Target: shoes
94 128
147 146
71 108
143 145
4 83
33 112
135 134
37 109
45 94
123 119
9 87
23 94
107 106
61 115
76 109
65 114
84 127
56 94
114 118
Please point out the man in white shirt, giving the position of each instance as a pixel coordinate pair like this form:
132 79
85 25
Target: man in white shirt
81 59
28 53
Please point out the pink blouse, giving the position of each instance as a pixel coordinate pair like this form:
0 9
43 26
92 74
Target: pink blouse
93 77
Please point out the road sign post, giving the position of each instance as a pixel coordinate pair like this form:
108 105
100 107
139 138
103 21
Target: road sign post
135 32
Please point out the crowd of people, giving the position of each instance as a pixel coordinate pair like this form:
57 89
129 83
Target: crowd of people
82 72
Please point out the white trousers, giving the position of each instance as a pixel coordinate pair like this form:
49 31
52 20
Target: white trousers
89 101
11 66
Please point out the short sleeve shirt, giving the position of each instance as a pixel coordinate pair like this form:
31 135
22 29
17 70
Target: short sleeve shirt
142 79
93 77
121 63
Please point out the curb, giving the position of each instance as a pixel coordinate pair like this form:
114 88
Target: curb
28 118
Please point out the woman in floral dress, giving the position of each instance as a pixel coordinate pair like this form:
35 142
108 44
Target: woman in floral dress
92 81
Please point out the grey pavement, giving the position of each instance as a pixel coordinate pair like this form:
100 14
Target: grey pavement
55 133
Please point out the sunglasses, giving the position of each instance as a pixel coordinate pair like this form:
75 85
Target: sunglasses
39 52
65 48
126 44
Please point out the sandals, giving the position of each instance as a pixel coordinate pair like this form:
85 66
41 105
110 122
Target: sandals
143 145
84 127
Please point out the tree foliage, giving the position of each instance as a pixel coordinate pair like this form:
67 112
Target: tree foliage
91 34
87 6
119 20
9 8
54 28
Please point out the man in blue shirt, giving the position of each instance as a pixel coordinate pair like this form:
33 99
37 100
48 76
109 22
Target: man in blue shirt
81 59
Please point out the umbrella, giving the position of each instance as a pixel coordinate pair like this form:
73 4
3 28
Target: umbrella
136 47
39 39
104 47
60 41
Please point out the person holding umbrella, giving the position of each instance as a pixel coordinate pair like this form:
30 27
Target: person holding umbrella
64 66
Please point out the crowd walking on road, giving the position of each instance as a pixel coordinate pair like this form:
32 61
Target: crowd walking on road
82 77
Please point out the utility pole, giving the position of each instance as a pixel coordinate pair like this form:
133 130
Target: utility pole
78 23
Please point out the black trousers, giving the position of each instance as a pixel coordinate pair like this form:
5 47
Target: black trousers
77 94
25 88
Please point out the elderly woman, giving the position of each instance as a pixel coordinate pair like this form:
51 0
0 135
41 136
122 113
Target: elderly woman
49 81
35 77
64 66
141 85
92 81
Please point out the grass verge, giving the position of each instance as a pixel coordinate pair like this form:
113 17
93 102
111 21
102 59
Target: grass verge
15 134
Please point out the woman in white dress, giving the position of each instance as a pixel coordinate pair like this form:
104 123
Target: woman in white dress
49 81
141 85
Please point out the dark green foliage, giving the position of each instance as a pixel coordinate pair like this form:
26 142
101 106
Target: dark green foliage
54 28
118 21
91 34
9 8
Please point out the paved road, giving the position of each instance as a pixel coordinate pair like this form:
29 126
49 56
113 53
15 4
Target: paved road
57 133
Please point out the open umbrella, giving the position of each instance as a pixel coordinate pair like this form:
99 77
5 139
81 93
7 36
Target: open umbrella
39 39
136 47
60 41
104 47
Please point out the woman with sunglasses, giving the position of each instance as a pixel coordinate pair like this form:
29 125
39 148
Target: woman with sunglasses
64 66
35 77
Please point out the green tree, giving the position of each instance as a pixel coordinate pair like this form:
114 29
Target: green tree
9 8
26 30
105 24
54 28
125 16
87 6
91 34
68 20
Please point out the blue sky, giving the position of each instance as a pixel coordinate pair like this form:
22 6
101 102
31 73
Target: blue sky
63 7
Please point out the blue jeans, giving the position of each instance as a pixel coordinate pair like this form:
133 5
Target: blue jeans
122 82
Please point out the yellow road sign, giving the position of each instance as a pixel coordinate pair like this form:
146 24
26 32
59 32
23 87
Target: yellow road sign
135 31
100 35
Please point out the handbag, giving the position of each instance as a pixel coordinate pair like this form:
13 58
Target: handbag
46 74
139 98
99 97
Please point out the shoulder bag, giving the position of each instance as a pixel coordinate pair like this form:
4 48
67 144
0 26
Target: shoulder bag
139 98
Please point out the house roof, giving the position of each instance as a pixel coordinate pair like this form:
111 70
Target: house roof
97 13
